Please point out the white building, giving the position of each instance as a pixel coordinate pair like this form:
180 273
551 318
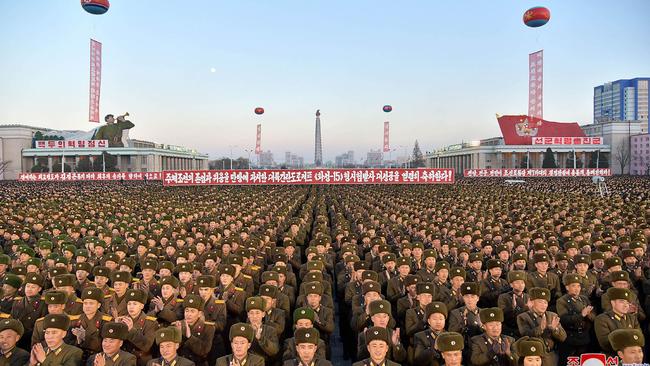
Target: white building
17 148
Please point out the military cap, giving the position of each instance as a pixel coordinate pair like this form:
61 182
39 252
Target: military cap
493 263
303 313
306 335
561 257
442 265
353 258
618 294
369 275
169 280
64 280
316 288
619 276
102 271
166 265
411 280
184 267
206 281
570 278
529 346
137 295
29 251
540 246
315 265
429 253
92 293
236 259
12 324
379 307
359 265
35 279
34 262
85 266
540 257
270 276
377 334
269 291
474 257
436 307
122 277
168 334
193 301
612 262
403 261
13 280
425 288
55 297
519 257
241 330
390 257
516 276
449 341
627 253
491 315
57 321
255 303
470 288
597 255
114 330
314 276
227 269
623 338
539 293
457 272
582 258
370 286
82 253
4 259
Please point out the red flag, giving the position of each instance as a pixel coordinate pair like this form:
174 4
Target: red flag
95 80
520 130
536 84
386 144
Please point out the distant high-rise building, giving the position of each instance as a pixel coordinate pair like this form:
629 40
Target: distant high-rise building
345 160
621 100
293 160
266 158
374 158
318 154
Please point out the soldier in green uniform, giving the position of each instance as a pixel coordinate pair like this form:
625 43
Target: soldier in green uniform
493 285
112 130
197 333
55 301
451 345
10 332
65 283
142 328
113 335
169 340
30 307
302 318
424 352
541 278
529 351
621 279
576 316
274 316
116 304
492 347
54 352
616 318
307 340
540 323
628 344
241 337
167 307
465 319
86 328
265 343
215 311
416 317
452 297
377 342
513 302
380 316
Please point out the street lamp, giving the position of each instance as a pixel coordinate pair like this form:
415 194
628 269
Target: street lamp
249 151
231 147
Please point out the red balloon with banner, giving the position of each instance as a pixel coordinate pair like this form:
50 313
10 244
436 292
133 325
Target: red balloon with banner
96 7
537 16
259 111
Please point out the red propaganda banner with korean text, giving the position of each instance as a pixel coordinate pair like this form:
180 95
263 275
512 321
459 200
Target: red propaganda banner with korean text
95 80
81 176
520 130
531 173
71 144
315 176
536 84
567 141
258 140
386 137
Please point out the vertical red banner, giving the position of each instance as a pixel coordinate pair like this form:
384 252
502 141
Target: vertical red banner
536 84
258 140
386 137
95 80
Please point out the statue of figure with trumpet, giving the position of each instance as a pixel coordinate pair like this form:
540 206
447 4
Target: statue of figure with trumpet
113 129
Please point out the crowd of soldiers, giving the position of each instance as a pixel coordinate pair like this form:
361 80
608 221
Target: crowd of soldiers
478 273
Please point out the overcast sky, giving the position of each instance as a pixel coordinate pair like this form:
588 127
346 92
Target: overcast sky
446 67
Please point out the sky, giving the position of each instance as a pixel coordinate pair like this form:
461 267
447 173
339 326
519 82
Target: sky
190 73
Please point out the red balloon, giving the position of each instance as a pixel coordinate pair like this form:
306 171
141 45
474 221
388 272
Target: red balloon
537 16
387 108
96 7
259 110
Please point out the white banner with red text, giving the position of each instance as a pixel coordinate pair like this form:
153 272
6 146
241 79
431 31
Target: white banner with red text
315 176
530 173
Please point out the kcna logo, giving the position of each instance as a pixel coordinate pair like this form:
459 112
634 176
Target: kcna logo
592 359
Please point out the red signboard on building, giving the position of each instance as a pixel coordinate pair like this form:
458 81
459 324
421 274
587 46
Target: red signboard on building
567 140
316 176
71 144
520 130
529 173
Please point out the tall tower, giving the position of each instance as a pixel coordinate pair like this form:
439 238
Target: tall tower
318 154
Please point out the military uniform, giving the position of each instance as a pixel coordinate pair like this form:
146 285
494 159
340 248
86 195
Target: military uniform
28 310
15 357
372 334
65 355
121 358
246 331
490 290
290 350
140 338
250 360
529 325
425 353
197 347
486 350
607 322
